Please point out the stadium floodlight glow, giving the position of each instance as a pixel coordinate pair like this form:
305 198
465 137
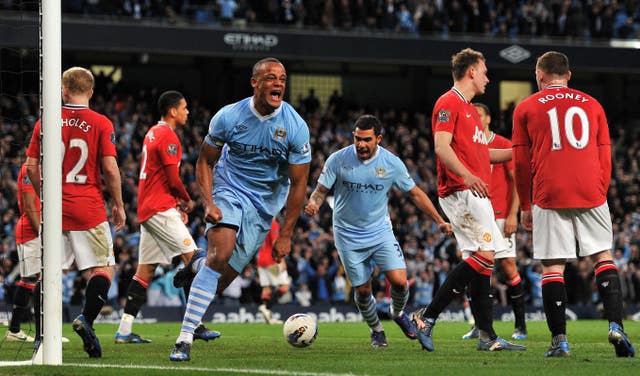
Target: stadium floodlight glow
618 43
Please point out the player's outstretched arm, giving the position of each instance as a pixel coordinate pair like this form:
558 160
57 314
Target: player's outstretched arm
204 177
113 183
423 203
316 199
298 174
500 155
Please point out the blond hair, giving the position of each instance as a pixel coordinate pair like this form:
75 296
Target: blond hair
78 80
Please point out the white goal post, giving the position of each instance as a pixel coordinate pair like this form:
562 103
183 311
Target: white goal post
51 61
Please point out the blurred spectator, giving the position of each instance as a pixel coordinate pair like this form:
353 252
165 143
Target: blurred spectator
227 11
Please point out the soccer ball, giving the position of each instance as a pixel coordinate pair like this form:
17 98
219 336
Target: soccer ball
300 330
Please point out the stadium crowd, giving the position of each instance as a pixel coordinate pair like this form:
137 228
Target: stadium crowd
589 19
313 263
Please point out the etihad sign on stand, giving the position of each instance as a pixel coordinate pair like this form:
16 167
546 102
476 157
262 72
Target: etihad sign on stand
250 42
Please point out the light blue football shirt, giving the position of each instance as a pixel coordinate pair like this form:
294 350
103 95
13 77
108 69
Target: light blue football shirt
360 214
258 150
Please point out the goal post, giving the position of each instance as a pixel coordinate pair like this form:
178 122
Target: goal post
51 61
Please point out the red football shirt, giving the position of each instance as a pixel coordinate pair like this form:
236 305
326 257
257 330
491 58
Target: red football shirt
24 231
563 128
265 256
454 114
87 137
161 148
501 187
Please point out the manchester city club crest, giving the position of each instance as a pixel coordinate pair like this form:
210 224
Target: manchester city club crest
380 172
280 133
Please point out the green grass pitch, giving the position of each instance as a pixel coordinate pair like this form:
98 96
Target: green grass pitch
341 348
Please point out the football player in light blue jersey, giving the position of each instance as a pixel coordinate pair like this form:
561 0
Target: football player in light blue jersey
254 160
362 175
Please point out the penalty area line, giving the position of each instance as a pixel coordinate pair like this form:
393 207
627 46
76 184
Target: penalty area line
204 369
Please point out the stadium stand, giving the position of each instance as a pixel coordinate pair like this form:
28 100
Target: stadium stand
538 18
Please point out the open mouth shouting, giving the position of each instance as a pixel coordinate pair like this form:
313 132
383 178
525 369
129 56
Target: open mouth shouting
275 97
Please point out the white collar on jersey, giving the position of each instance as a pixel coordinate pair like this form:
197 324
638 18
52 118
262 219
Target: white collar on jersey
265 117
75 106
459 94
373 157
555 86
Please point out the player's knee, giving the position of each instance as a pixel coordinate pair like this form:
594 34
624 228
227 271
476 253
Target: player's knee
363 291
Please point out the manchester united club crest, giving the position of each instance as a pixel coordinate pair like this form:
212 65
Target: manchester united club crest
380 172
186 242
486 237
280 134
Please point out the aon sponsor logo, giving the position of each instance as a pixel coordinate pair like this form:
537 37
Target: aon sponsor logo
480 137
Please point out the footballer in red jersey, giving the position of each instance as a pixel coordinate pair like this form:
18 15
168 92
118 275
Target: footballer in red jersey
456 116
88 141
562 156
87 137
463 186
272 275
29 206
505 203
160 187
29 259
163 204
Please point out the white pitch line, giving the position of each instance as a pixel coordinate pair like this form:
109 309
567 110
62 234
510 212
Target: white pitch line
204 369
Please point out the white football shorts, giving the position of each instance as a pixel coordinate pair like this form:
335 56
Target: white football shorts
510 251
89 248
556 231
164 236
273 276
473 222
29 256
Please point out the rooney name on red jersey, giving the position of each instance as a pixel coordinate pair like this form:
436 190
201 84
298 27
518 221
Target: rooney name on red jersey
564 129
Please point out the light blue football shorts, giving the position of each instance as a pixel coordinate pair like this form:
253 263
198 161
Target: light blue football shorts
253 226
358 264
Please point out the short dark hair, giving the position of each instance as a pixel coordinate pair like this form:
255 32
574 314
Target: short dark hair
553 62
365 122
461 61
256 66
484 107
168 100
